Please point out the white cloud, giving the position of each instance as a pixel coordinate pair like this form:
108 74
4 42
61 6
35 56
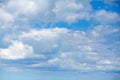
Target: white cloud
48 11
75 50
45 40
95 49
106 17
72 61
16 51
5 17
73 11
43 33
22 9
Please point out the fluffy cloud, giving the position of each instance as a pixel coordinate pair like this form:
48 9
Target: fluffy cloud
48 11
72 11
16 51
45 40
109 17
30 11
5 17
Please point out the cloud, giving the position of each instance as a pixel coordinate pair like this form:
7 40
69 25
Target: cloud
109 64
5 17
73 11
75 50
58 48
48 11
45 40
16 51
43 33
109 17
112 2
21 10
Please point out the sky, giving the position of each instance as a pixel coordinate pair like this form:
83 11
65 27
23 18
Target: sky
59 39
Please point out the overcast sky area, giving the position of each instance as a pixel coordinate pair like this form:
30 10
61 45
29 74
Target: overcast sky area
59 39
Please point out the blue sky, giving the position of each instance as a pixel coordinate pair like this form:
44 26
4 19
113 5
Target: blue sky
59 40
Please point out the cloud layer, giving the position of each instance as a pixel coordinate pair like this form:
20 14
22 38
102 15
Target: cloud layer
25 43
67 49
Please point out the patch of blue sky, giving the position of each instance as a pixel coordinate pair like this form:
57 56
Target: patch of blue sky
113 7
79 25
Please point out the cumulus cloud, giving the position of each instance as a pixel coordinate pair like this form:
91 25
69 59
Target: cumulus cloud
72 11
16 51
109 17
48 11
27 11
21 10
